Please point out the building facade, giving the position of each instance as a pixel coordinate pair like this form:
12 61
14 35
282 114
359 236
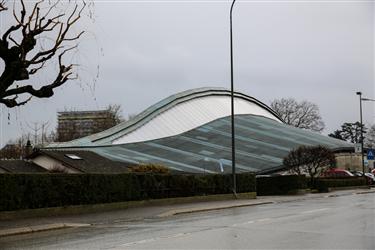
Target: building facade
76 124
190 132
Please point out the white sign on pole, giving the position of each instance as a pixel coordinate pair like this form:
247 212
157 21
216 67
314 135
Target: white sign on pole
366 162
358 148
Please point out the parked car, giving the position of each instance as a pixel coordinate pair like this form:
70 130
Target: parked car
369 176
356 173
336 172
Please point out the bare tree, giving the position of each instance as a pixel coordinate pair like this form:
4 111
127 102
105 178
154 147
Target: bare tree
11 151
303 114
116 112
15 149
309 159
23 53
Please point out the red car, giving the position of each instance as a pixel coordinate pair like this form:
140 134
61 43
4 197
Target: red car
336 172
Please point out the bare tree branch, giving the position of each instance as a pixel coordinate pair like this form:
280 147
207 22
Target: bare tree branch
10 30
22 58
303 115
2 6
34 70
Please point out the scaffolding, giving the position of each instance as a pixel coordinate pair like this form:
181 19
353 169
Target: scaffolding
76 124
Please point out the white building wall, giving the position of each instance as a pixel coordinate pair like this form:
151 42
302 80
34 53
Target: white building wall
50 164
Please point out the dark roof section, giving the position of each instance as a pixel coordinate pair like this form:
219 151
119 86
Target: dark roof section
20 166
89 162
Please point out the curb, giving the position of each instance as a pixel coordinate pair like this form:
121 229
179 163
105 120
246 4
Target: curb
347 188
195 210
366 192
102 207
347 194
39 228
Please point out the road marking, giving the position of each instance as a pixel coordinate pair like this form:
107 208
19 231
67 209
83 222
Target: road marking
243 223
249 222
265 219
315 210
174 236
154 239
268 219
139 242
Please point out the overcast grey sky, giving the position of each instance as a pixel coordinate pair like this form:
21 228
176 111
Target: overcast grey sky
320 51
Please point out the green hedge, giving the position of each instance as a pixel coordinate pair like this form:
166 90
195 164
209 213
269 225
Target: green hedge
280 185
26 191
323 184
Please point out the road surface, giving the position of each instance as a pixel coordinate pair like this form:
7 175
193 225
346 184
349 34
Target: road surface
344 222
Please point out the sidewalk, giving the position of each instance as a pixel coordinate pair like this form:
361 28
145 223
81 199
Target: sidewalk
19 226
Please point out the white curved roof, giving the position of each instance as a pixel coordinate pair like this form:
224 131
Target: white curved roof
191 114
175 115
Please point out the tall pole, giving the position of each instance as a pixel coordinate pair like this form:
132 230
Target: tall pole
232 103
360 111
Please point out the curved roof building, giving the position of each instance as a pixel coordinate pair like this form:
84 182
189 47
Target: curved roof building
190 132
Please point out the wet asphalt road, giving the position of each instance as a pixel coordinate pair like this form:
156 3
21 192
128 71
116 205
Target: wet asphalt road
345 222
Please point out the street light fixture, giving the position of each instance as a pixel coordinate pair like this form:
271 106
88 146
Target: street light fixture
232 104
368 99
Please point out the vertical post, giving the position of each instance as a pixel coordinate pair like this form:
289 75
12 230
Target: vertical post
360 112
232 104
43 134
1 127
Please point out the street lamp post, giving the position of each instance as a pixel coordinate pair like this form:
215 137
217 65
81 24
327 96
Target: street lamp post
360 111
232 104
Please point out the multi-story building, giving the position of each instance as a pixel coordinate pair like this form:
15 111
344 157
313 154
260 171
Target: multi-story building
75 124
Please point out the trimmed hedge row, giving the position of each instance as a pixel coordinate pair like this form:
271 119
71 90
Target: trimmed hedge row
280 185
27 191
290 184
323 184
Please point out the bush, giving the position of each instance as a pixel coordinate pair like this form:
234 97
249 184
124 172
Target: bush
27 191
244 182
280 185
323 184
149 168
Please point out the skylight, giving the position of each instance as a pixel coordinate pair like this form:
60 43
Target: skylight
73 157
